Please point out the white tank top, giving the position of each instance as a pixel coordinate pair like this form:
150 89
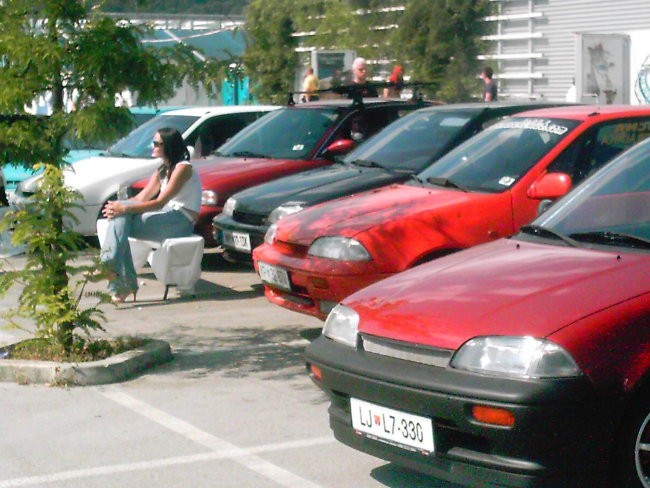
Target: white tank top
189 196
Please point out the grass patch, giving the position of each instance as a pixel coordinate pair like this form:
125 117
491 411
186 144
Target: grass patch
83 350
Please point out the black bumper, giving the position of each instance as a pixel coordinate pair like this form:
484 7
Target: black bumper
222 226
562 437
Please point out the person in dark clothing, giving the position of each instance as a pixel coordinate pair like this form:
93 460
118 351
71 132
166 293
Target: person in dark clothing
359 75
490 93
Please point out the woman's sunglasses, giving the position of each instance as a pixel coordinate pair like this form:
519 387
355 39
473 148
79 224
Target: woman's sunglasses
157 143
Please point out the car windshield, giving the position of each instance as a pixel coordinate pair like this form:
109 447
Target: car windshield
611 208
137 143
412 142
496 158
288 133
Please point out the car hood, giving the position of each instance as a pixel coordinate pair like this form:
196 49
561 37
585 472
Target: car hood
314 186
507 287
358 213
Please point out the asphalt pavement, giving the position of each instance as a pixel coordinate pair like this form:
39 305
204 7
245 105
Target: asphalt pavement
234 408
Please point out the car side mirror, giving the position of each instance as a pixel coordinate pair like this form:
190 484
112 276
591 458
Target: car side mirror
550 186
340 147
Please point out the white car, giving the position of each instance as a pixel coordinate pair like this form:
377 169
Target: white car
99 179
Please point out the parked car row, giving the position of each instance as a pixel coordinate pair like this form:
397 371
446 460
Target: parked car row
398 152
474 330
466 336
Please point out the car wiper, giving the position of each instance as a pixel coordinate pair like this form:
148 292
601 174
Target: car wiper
366 163
446 182
610 238
539 231
247 154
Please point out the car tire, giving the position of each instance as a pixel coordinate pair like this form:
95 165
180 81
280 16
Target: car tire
633 450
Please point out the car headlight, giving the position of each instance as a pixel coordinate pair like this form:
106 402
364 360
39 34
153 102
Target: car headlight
209 197
524 357
339 248
269 237
342 325
229 207
284 210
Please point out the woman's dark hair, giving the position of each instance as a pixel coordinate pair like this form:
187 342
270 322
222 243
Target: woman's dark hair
174 149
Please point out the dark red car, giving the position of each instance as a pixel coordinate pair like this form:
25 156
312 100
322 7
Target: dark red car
485 189
289 140
523 362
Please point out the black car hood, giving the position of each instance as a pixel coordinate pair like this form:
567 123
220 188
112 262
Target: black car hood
315 186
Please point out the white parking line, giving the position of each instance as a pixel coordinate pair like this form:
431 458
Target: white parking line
242 456
219 448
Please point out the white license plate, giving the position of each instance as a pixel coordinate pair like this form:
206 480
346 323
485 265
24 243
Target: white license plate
242 241
394 427
274 275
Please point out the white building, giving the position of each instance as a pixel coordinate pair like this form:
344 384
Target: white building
540 47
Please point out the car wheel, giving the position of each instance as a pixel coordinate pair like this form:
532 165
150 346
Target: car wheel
633 463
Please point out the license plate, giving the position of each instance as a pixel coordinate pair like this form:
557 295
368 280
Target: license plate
274 275
394 427
242 241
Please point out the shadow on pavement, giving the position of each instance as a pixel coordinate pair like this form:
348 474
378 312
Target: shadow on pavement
395 476
276 353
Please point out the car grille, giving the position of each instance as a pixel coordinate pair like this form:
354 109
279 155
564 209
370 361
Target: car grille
406 351
248 218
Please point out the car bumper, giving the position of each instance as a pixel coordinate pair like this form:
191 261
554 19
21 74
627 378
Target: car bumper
203 225
238 239
562 435
317 284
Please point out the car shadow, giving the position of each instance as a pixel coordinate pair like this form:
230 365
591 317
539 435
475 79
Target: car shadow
395 476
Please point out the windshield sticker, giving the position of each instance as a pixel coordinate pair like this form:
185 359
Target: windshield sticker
506 181
298 147
540 125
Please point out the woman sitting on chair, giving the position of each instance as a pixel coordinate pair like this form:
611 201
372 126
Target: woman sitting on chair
166 207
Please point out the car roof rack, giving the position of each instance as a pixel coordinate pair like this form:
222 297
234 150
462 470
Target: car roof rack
355 92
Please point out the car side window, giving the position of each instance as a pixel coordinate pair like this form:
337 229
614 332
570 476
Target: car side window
599 146
217 130
362 124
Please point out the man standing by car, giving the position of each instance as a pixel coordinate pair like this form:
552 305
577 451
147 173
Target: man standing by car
359 75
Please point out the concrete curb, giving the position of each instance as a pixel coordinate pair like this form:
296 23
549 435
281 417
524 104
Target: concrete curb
112 370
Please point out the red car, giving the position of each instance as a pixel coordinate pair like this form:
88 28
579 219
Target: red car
288 140
485 189
523 362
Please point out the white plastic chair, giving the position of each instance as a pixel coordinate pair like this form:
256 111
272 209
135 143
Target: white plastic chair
175 261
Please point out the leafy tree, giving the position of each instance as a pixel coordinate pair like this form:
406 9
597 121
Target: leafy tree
441 40
65 47
270 57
